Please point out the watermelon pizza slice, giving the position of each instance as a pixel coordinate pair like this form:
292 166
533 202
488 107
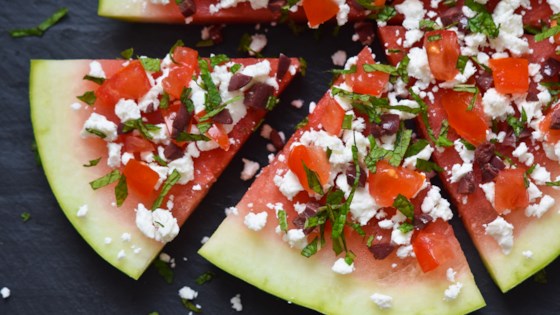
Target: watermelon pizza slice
345 220
315 12
488 75
130 147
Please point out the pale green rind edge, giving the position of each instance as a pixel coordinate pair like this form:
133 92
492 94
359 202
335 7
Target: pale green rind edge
53 85
275 268
126 10
541 237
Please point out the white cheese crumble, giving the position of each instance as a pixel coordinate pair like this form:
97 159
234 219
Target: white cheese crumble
127 110
502 232
382 301
159 224
363 206
187 293
250 168
466 155
522 153
413 11
255 221
236 303
341 267
82 211
450 274
496 105
296 238
424 154
108 240
96 70
258 43
5 292
400 238
459 171
185 167
126 237
121 254
452 292
288 184
114 154
537 210
418 66
489 191
540 175
101 124
339 58
297 103
436 206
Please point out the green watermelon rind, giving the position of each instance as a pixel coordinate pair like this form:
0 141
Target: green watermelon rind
277 269
130 11
53 88
541 237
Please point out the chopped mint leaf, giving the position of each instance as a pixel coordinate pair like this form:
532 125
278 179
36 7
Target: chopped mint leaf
191 306
469 146
401 145
402 69
462 63
127 53
164 101
347 122
186 99
352 69
94 79
540 277
144 129
375 155
96 132
203 127
41 28
159 160
516 124
404 205
271 102
282 220
92 163
428 25
183 136
121 191
427 166
394 51
302 66
385 14
205 277
482 22
379 67
442 140
356 227
349 258
416 147
245 45
178 43
547 33
35 151
25 216
313 180
433 38
469 88
311 248
88 98
556 183
218 60
164 270
213 98
406 227
171 180
302 123
235 68
151 64
103 181
204 43
153 313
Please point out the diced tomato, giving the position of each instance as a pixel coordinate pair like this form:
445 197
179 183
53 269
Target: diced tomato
315 159
219 135
140 177
131 82
363 82
389 181
319 11
134 144
510 191
379 3
550 135
392 37
177 80
442 47
332 117
511 75
540 12
186 57
431 249
469 124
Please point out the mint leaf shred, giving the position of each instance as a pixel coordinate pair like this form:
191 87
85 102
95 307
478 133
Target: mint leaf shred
282 220
171 180
313 180
88 98
205 277
121 191
150 64
127 53
103 181
25 216
404 205
93 79
164 270
41 28
92 163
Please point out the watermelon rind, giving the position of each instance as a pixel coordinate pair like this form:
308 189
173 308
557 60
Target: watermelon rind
54 86
272 266
131 11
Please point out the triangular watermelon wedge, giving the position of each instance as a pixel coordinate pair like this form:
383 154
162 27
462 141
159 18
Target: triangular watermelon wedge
58 119
518 243
210 12
268 239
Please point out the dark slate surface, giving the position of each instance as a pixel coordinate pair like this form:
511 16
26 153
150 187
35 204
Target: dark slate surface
51 270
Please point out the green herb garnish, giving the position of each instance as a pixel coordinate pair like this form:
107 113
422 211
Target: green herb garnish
103 181
88 98
171 180
92 163
41 28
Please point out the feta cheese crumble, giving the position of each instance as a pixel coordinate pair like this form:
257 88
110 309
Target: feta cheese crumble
187 293
452 292
502 232
341 267
5 292
382 301
159 224
82 211
236 303
250 168
255 222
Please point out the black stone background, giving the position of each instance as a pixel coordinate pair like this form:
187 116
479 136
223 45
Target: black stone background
51 270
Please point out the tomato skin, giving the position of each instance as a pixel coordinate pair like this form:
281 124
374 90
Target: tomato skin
470 125
315 159
219 135
131 82
363 82
389 181
510 191
140 177
319 11
186 57
393 37
431 249
511 75
442 54
550 135
332 117
177 80
134 144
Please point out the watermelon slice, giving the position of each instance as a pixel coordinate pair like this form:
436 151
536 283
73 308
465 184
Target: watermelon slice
147 11
111 230
534 242
269 239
